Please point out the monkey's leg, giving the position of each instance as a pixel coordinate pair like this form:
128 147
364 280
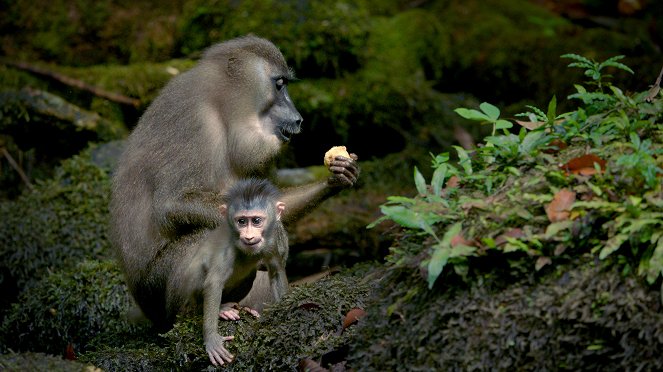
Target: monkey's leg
213 289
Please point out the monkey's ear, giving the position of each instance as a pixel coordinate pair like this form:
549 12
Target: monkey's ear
280 206
223 209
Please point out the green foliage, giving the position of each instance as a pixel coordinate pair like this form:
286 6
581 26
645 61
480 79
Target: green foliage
69 307
544 192
321 38
60 223
489 114
593 68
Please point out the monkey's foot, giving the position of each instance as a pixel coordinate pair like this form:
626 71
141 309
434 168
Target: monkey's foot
230 311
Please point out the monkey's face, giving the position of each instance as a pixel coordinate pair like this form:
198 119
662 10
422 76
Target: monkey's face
277 111
251 227
286 118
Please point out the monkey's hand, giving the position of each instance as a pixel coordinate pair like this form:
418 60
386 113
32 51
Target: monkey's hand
218 354
230 311
345 171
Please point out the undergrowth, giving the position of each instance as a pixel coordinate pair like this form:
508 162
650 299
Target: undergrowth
551 188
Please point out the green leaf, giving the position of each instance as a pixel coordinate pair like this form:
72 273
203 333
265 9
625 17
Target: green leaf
437 262
441 253
462 250
472 114
552 108
577 57
402 216
420 182
464 159
377 222
438 179
655 267
612 245
612 62
401 200
554 228
490 110
503 124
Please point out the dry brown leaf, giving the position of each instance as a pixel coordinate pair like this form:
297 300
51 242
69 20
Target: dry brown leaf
559 208
541 262
353 316
511 233
555 146
531 125
460 240
69 353
310 365
584 165
308 305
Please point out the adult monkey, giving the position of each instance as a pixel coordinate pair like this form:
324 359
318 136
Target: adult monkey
227 118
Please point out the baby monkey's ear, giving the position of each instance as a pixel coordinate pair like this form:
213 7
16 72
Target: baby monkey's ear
280 206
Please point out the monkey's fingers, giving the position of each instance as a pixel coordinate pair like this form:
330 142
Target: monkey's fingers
345 172
252 311
229 314
218 354
219 357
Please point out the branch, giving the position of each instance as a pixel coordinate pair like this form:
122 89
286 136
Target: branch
115 97
18 169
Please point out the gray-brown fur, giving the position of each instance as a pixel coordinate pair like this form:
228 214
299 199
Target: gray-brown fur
227 263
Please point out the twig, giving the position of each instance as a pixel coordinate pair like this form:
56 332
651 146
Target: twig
653 92
115 97
16 167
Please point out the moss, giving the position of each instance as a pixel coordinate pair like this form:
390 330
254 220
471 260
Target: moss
60 223
404 46
80 33
560 320
320 38
141 80
70 308
307 323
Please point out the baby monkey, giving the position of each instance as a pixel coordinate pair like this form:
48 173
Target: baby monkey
251 236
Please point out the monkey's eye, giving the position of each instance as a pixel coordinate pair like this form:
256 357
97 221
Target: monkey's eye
281 82
241 222
256 221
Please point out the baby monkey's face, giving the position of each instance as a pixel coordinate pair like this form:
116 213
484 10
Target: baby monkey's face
250 227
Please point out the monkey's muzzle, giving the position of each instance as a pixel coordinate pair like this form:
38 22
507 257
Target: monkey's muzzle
285 132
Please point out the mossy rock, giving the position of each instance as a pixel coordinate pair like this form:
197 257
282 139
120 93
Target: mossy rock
84 34
70 310
63 221
584 316
15 362
404 46
319 38
307 323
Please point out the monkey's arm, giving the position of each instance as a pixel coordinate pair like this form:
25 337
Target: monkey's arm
213 290
191 210
278 280
301 200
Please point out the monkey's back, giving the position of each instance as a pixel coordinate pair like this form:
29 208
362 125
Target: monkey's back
160 161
